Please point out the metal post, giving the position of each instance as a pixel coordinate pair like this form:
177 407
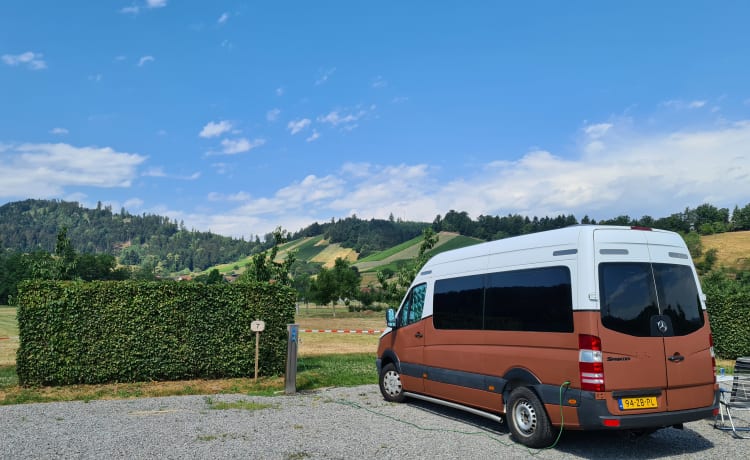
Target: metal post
257 352
290 378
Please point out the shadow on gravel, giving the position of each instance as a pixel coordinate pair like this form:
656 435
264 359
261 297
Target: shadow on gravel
607 444
590 444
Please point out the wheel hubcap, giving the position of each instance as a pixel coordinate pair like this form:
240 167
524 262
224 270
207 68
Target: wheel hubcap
392 383
525 417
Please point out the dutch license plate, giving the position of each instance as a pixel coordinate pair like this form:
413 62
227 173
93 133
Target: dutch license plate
646 402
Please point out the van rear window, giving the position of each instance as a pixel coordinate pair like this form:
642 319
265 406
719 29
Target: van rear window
635 293
537 299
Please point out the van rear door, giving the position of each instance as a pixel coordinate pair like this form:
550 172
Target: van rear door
654 333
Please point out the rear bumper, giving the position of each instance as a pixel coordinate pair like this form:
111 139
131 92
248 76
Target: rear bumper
593 413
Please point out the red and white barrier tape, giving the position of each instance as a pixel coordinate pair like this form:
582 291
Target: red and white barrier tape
343 331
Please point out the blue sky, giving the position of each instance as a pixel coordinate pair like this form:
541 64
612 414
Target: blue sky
237 117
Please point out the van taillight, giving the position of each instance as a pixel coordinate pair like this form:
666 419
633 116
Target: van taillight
638 227
590 363
713 355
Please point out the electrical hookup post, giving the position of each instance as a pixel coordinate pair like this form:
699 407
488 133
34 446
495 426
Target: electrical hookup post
290 378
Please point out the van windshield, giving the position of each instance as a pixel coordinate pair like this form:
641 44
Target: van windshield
635 293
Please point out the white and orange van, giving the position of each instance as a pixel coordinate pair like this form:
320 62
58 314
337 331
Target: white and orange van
586 327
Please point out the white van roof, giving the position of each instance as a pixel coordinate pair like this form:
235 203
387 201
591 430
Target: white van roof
573 237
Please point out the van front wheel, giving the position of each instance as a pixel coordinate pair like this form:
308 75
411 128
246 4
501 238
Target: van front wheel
390 384
527 419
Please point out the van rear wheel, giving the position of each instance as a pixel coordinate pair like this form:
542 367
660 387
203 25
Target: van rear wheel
527 419
390 384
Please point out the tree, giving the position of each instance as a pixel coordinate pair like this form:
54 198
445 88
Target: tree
213 277
65 262
694 245
340 282
408 272
265 268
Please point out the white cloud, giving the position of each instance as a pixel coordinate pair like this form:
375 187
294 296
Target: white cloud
48 170
598 130
158 171
213 129
334 118
677 104
239 196
30 59
378 82
133 203
150 4
296 126
223 18
637 172
324 75
58 131
273 114
234 146
145 59
155 171
315 135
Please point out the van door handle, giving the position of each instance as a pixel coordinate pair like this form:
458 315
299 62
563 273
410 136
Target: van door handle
418 335
676 358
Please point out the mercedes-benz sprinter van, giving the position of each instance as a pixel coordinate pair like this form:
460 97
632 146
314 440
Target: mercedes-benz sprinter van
586 327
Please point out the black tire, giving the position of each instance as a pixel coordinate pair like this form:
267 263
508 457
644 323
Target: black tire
390 384
527 420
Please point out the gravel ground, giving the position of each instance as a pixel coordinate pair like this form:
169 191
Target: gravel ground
336 423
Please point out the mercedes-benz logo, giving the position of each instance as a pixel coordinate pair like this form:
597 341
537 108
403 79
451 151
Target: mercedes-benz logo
662 325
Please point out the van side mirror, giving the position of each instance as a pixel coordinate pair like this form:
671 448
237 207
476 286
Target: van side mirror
390 317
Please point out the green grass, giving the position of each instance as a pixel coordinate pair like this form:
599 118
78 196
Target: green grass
307 250
241 405
382 255
459 241
393 266
8 377
336 371
312 372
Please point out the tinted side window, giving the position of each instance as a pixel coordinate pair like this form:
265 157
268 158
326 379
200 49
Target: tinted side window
538 299
458 302
678 297
411 310
628 300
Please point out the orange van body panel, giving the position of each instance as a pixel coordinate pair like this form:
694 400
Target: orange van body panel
488 401
408 342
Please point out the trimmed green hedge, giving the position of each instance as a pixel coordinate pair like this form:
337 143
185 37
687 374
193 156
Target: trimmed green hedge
97 332
728 305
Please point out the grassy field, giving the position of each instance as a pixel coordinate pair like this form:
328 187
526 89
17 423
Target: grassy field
8 336
733 249
329 343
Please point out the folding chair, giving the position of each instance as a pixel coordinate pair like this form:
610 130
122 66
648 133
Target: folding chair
737 399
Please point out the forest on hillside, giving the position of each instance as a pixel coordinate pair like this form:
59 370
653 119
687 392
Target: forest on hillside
33 225
152 240
367 236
